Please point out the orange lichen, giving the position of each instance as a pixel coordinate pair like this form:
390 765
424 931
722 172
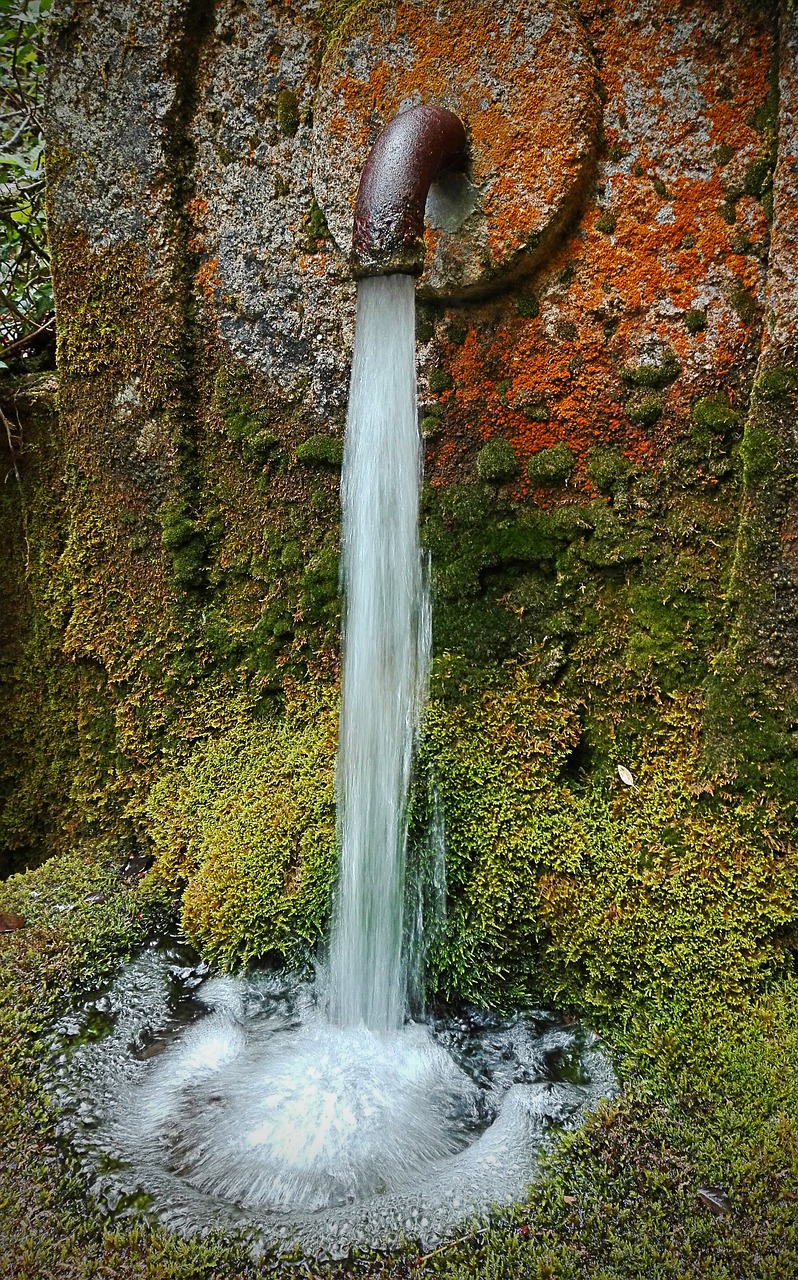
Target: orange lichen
539 116
207 279
612 301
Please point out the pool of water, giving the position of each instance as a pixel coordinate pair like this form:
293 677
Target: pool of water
232 1103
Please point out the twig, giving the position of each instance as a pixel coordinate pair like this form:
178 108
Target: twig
23 342
448 1245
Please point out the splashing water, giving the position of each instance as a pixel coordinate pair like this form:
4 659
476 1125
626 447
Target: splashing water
386 656
233 1103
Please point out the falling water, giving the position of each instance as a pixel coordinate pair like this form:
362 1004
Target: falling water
386 656
241 1102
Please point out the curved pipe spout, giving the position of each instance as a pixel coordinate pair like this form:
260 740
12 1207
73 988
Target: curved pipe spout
414 148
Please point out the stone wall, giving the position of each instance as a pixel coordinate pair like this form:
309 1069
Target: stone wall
607 405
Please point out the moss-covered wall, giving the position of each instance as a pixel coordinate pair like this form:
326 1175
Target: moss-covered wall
608 463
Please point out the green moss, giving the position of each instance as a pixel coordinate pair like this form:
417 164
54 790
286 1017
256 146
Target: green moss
743 302
527 304
425 322
776 384
606 222
695 320
249 827
714 415
184 539
607 467
652 375
456 334
758 180
439 381
723 154
630 899
644 409
659 187
551 466
339 19
315 226
728 211
244 421
321 451
536 412
759 453
287 112
496 462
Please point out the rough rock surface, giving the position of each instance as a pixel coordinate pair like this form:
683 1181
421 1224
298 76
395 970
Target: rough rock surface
586 459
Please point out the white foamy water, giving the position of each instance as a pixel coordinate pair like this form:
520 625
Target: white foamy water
386 657
234 1104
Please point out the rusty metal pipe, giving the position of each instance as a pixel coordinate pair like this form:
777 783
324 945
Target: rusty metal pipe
415 148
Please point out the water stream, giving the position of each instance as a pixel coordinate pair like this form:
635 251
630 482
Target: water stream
315 1112
386 657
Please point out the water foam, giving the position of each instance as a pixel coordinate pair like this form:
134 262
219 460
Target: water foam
234 1103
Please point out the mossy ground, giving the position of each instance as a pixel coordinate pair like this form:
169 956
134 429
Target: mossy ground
714 1104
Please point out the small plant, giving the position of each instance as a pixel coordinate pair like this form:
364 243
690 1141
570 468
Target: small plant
439 380
776 383
759 452
606 222
315 226
527 304
695 320
456 334
644 410
27 324
496 462
653 375
714 415
536 412
287 113
743 302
